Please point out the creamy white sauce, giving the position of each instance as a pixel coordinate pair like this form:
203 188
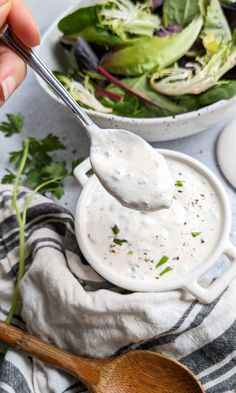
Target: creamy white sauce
131 170
158 245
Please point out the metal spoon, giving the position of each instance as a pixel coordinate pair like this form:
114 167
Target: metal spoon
126 165
133 372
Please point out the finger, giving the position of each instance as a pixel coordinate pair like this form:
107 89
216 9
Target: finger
12 72
23 24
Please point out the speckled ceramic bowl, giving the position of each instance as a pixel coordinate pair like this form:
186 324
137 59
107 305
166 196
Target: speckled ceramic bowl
189 280
154 129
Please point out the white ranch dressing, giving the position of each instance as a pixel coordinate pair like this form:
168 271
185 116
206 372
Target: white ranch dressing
131 170
159 245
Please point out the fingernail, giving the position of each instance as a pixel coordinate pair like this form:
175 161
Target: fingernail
8 86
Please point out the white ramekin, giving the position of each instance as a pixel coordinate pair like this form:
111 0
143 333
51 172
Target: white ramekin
187 281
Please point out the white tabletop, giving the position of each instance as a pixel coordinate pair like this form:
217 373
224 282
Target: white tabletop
43 115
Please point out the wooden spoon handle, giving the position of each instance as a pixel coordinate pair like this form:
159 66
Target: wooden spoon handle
85 369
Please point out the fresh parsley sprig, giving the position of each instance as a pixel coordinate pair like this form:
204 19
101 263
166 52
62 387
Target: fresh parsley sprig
38 165
36 168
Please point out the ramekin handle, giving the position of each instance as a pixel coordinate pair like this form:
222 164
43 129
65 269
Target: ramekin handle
80 172
209 294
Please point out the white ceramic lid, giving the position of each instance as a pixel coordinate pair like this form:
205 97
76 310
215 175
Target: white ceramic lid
226 152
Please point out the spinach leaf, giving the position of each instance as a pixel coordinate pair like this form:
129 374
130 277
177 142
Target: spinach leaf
144 54
181 12
216 23
128 107
79 20
141 84
224 91
98 36
188 101
173 105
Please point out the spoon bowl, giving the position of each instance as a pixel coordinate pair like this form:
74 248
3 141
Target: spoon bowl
133 372
131 170
144 371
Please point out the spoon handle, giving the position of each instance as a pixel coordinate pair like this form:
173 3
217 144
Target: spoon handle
30 58
86 369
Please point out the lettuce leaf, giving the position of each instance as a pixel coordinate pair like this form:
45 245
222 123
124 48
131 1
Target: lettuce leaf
172 105
82 92
78 20
95 35
223 91
142 85
195 78
147 53
110 22
181 12
124 17
98 36
216 23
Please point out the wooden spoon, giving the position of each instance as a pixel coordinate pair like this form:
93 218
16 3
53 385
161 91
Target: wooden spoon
133 372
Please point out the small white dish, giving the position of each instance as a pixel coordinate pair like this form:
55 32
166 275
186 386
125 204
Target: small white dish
187 281
226 152
152 129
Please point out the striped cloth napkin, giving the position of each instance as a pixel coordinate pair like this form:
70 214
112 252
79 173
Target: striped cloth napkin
65 302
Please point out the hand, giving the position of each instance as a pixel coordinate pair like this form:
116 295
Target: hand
12 68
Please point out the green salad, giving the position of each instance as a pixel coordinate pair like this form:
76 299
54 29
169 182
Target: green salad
150 58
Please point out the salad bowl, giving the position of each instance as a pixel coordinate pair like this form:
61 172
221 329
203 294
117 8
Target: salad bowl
189 280
155 129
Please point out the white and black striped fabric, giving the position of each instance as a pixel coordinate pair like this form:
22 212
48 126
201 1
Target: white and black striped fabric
65 302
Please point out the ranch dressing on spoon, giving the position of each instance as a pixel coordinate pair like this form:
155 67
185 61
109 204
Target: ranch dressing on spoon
131 170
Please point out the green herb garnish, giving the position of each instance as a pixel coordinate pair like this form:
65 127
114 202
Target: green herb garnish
166 270
179 183
195 234
75 163
163 260
119 241
90 172
34 167
130 253
14 125
115 229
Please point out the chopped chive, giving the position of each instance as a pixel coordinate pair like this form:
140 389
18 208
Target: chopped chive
90 172
130 253
179 183
195 234
115 229
166 270
119 241
163 260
